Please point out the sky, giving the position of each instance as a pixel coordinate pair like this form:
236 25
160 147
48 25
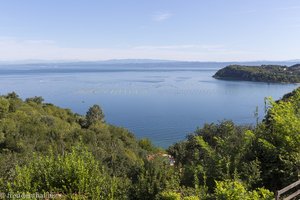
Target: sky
191 30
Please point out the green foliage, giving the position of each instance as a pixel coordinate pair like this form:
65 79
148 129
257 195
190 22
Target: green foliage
168 195
12 95
37 100
191 198
155 176
217 152
264 73
171 195
32 126
76 172
278 142
234 190
266 155
39 152
147 145
4 107
93 115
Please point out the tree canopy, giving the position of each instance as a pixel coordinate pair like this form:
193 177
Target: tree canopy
264 73
44 148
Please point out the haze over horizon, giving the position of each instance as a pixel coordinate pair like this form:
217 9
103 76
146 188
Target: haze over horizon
168 30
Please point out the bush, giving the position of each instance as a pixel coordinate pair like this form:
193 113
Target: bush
168 195
75 173
235 190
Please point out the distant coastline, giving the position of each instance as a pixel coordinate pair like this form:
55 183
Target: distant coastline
263 73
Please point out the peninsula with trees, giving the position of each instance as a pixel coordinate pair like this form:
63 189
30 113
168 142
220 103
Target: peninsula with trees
263 73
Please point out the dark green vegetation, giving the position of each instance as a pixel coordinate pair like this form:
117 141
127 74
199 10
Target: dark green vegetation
264 73
48 149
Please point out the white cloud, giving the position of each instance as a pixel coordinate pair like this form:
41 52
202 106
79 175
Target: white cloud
162 16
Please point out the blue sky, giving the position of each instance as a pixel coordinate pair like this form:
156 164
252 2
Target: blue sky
203 30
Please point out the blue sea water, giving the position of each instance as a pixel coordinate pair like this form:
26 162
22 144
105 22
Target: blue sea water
162 104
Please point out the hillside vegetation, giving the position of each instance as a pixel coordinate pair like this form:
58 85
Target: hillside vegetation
44 148
264 73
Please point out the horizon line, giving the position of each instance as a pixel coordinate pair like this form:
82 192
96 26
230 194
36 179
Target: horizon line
142 60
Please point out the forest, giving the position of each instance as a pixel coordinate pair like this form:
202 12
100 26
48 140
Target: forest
263 73
47 149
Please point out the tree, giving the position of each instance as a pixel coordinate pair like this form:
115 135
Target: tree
12 95
217 152
278 142
155 177
94 114
36 99
146 144
4 107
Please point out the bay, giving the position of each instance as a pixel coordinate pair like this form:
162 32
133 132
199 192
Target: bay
161 103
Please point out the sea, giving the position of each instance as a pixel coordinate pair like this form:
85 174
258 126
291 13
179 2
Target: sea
161 101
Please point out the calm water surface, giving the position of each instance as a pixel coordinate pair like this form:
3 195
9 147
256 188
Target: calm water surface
163 105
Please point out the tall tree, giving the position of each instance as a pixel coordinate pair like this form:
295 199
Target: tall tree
94 114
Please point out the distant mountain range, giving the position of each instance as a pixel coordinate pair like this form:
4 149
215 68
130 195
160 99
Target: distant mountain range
114 61
139 61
